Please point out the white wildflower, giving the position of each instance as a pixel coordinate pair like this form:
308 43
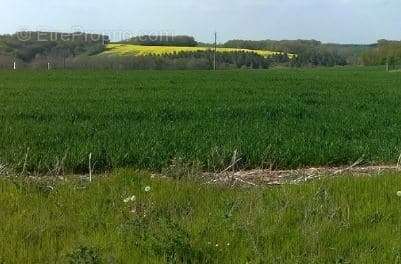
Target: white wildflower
148 188
399 193
130 199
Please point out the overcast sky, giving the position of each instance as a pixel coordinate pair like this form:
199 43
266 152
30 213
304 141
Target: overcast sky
344 21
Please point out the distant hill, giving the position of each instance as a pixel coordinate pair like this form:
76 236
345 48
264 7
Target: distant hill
311 52
386 51
40 47
27 45
142 50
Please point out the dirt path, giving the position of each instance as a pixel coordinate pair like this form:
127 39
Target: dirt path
259 177
278 177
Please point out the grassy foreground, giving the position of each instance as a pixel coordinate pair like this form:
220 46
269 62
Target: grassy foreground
51 121
342 220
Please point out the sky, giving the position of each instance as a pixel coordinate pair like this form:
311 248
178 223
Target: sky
340 21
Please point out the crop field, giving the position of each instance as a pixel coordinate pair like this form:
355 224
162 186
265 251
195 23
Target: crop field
149 135
138 50
281 118
129 217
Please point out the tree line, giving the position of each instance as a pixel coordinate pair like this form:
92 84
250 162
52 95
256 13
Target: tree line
385 52
27 46
162 40
308 52
201 60
77 50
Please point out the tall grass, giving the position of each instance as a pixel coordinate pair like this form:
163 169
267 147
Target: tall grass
342 220
146 119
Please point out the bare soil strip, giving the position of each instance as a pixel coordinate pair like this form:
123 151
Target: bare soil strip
257 177
278 177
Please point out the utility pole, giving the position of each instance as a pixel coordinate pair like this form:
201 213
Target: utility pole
215 51
64 56
15 60
387 64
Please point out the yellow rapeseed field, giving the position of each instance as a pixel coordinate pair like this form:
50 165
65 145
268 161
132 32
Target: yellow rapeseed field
138 50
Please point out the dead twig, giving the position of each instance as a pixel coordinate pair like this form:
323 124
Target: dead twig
356 163
399 161
25 162
246 182
90 167
234 162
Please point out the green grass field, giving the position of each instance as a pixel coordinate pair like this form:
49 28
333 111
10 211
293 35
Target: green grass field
139 50
342 220
145 119
134 123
